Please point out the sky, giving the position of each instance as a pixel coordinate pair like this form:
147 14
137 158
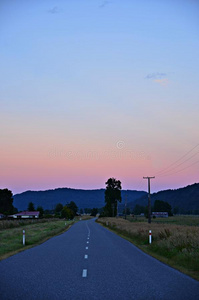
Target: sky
93 89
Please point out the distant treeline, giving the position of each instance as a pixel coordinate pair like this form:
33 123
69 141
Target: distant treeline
183 201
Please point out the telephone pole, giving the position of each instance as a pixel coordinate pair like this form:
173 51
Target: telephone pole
149 198
125 204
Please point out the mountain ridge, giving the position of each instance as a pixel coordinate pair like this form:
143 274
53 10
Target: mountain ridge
185 199
83 198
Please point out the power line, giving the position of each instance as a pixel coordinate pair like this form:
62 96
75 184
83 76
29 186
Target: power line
140 185
167 168
180 170
171 169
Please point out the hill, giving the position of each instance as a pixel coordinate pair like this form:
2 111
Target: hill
83 198
184 200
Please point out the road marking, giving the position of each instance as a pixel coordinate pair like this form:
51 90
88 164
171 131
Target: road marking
87 238
86 256
84 273
88 228
86 248
87 242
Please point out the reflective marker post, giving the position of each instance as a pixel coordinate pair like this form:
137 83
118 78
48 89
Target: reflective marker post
24 238
149 236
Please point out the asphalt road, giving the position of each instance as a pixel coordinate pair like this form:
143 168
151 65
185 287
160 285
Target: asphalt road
90 262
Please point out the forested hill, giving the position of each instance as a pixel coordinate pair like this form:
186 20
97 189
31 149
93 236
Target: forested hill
83 198
185 200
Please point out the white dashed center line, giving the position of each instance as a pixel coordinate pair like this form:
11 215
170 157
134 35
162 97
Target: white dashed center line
84 273
87 242
86 248
86 256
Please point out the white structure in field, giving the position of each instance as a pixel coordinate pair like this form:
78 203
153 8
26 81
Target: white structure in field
160 214
26 215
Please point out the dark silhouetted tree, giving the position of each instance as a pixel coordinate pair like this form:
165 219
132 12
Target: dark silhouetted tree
94 211
112 195
58 208
31 206
67 213
87 210
41 211
6 200
162 206
73 207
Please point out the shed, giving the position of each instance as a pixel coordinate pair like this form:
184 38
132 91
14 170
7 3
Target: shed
27 215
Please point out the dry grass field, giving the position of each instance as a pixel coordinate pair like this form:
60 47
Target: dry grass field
6 224
176 245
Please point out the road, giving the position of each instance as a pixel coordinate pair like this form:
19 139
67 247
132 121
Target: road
90 262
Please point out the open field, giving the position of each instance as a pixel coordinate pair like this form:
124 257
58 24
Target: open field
6 224
36 232
189 220
173 242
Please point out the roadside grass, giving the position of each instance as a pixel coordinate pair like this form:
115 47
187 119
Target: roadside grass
5 224
11 240
175 245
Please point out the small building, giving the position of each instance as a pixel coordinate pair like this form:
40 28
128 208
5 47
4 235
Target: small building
2 216
160 214
26 215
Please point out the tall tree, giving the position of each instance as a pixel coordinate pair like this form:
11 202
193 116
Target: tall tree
112 195
31 206
58 208
41 211
94 211
73 207
67 213
87 210
6 201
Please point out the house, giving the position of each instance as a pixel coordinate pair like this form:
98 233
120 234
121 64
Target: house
2 216
26 215
160 214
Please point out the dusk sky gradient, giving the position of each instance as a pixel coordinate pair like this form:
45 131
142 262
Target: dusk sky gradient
94 89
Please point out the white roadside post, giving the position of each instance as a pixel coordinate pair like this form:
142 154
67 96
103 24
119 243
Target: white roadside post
24 238
149 236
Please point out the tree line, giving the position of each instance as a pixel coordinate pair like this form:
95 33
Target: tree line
159 206
113 198
67 211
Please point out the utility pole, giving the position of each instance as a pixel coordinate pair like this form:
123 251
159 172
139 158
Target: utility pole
149 198
125 204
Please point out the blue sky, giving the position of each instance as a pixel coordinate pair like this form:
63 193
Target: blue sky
82 76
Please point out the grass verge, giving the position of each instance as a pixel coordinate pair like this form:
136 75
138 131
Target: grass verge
11 240
175 245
